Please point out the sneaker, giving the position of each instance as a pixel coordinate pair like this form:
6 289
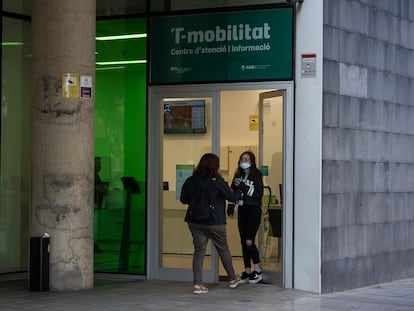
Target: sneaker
235 282
245 277
256 277
200 289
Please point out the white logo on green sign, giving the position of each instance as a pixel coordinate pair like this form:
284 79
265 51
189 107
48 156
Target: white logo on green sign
226 46
232 33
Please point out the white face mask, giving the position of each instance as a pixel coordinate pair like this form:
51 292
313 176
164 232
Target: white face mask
244 165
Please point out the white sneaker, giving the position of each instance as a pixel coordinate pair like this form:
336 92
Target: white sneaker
200 289
235 282
255 277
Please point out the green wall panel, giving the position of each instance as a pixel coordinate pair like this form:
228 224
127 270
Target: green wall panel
120 142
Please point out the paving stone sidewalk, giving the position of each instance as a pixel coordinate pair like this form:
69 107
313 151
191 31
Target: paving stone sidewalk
164 295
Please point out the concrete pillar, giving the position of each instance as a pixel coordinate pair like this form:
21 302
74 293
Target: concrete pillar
63 42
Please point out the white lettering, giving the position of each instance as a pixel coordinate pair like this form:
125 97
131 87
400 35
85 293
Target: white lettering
257 33
220 34
208 50
178 32
209 36
195 36
181 51
250 48
230 33
266 31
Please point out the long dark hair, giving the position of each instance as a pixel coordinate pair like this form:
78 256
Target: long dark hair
253 168
208 166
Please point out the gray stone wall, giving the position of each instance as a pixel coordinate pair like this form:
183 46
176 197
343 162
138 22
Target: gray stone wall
368 143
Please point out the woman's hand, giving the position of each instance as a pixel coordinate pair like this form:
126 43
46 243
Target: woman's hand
237 181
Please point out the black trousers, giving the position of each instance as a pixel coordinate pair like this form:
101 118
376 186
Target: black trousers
248 221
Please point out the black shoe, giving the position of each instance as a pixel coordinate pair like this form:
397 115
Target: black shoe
245 277
255 277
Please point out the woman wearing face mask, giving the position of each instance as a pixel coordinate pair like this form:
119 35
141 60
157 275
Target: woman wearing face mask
249 179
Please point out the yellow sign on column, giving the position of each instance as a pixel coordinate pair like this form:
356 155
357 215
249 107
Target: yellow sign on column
70 85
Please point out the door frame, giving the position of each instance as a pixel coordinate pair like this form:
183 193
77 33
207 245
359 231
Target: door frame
154 166
272 276
154 171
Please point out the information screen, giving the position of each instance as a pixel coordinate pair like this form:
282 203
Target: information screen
182 117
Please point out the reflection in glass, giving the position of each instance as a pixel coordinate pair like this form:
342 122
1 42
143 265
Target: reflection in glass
15 146
181 152
120 150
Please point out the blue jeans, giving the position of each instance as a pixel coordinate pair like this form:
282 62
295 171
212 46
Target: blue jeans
217 234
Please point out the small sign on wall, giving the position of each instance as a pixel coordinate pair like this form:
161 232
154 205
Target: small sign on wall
182 171
309 65
254 122
76 86
70 85
265 170
85 86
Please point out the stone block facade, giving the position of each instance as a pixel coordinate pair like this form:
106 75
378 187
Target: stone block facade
368 143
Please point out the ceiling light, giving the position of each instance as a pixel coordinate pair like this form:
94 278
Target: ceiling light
122 37
12 43
110 68
122 62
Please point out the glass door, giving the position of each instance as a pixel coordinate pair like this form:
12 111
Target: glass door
186 133
271 129
238 133
253 120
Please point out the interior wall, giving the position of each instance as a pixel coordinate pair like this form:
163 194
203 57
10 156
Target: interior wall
235 109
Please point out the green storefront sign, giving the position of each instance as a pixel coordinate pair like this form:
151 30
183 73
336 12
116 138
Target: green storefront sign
234 46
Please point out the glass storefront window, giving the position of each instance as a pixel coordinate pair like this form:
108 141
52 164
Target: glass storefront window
177 5
120 146
15 145
23 7
111 8
118 8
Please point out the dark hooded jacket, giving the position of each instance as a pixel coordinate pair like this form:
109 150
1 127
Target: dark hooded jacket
219 192
252 189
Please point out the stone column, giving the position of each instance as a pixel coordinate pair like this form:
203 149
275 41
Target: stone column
63 49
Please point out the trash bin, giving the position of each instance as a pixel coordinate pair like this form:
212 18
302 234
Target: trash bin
39 263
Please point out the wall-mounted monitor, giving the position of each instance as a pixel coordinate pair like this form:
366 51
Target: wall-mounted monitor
183 117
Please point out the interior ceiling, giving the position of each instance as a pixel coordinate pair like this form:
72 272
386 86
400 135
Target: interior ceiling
121 50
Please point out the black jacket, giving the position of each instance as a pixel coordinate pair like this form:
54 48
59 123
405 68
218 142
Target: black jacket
219 192
252 189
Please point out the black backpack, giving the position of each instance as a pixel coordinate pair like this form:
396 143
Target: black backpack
201 204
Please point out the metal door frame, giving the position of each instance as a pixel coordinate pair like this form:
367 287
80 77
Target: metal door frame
262 97
154 165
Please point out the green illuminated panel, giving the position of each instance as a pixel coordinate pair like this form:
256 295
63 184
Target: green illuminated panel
120 142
